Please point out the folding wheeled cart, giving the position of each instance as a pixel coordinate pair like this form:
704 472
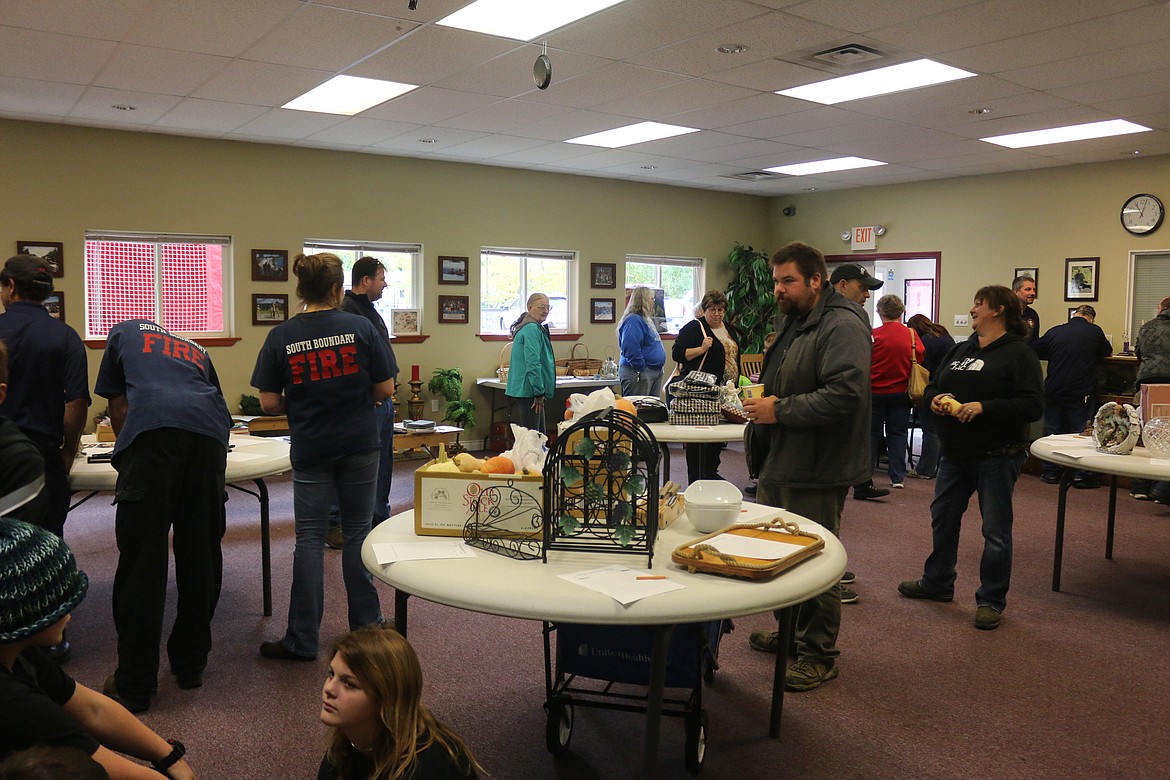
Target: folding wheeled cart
592 659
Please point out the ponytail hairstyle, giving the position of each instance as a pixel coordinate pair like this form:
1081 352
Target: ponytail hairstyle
319 278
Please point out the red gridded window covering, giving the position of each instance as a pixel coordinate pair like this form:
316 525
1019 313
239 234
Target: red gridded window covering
122 286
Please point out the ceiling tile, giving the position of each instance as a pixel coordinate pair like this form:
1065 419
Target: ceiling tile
428 105
108 20
360 131
505 115
149 69
284 123
675 98
204 26
510 74
607 83
259 83
339 38
25 54
431 54
492 146
37 98
98 103
208 116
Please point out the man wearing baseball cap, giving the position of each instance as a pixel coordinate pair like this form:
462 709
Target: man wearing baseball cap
48 377
40 704
854 282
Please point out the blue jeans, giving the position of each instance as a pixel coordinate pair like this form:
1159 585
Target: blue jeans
1067 417
891 412
351 478
928 460
648 381
526 417
994 479
384 421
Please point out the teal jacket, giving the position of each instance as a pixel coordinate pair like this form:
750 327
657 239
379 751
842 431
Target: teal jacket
531 373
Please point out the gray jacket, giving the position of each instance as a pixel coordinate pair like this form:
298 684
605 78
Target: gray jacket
821 439
1153 350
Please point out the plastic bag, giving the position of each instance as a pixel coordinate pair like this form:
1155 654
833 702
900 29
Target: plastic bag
529 450
581 404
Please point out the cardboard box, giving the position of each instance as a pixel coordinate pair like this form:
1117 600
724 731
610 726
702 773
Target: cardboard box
105 432
445 501
1155 402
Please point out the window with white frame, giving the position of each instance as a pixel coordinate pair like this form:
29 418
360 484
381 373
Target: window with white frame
182 282
403 269
677 283
509 276
1149 281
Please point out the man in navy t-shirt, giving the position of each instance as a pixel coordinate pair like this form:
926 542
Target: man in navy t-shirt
172 424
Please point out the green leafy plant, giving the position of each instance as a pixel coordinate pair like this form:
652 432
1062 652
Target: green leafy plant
461 413
447 382
751 300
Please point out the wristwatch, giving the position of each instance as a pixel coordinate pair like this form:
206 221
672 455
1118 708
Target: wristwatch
177 752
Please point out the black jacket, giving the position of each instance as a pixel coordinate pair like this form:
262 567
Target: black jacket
1072 351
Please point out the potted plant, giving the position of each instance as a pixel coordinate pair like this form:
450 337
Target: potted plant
448 383
751 299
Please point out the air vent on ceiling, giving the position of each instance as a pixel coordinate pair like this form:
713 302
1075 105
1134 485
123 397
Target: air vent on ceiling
751 176
849 55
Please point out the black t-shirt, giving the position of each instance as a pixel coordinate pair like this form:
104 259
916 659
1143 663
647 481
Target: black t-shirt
31 699
325 363
433 763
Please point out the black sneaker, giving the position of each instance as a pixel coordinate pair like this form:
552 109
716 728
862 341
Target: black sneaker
132 704
750 490
912 589
279 652
848 578
847 596
868 491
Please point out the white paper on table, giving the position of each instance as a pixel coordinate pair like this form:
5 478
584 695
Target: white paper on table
389 552
100 448
620 583
243 457
1074 438
752 547
1074 454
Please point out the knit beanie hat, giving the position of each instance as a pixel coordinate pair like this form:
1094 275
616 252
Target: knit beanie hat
39 580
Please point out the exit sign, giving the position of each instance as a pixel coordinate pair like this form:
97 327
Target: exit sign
863 238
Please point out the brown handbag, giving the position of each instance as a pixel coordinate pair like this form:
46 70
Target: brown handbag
919 376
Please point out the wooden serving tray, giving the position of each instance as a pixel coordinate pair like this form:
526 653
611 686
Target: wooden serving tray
697 555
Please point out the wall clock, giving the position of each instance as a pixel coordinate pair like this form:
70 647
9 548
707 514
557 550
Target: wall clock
1142 214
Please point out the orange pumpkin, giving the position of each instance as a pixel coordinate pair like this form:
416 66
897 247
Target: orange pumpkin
626 406
499 465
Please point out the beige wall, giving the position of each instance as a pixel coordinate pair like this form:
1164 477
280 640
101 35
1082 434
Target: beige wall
63 180
986 226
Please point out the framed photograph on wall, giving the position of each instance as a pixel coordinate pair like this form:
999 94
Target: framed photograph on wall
269 309
603 274
453 309
55 303
452 270
52 252
603 310
404 322
919 298
269 265
1032 272
1081 278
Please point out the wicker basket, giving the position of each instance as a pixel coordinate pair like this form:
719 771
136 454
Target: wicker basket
583 366
502 371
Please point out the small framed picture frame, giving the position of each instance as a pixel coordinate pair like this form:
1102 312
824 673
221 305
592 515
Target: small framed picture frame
52 252
452 270
269 309
55 303
1082 278
1032 272
602 310
453 309
404 322
603 275
269 265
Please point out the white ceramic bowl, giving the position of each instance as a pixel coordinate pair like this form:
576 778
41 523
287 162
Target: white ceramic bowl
712 504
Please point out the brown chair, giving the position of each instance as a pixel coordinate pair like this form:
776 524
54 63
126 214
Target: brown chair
751 365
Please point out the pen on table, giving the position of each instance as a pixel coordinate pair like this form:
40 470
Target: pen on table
651 577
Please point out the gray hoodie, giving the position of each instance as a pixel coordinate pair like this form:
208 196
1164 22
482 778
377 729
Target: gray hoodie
821 439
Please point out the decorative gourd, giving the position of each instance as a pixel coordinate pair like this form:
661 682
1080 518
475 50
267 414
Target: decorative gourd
499 465
468 463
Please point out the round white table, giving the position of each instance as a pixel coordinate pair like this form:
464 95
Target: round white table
1077 452
251 458
497 585
727 433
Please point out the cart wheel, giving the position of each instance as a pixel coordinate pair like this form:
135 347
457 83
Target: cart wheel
559 729
696 728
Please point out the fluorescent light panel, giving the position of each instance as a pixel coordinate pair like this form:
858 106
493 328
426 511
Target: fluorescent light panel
883 81
348 95
1060 135
522 20
825 166
632 134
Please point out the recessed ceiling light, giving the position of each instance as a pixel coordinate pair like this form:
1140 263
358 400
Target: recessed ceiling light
1060 135
731 48
348 95
428 140
123 107
825 166
522 20
649 167
1133 153
978 111
632 134
882 81
810 189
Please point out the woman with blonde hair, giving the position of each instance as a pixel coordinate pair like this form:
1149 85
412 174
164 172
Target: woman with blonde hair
642 354
379 729
326 369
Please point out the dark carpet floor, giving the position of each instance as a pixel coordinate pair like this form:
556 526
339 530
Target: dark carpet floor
1073 684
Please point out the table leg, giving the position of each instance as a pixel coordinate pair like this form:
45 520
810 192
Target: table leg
785 626
654 698
261 495
1112 518
665 464
400 597
81 501
1066 481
